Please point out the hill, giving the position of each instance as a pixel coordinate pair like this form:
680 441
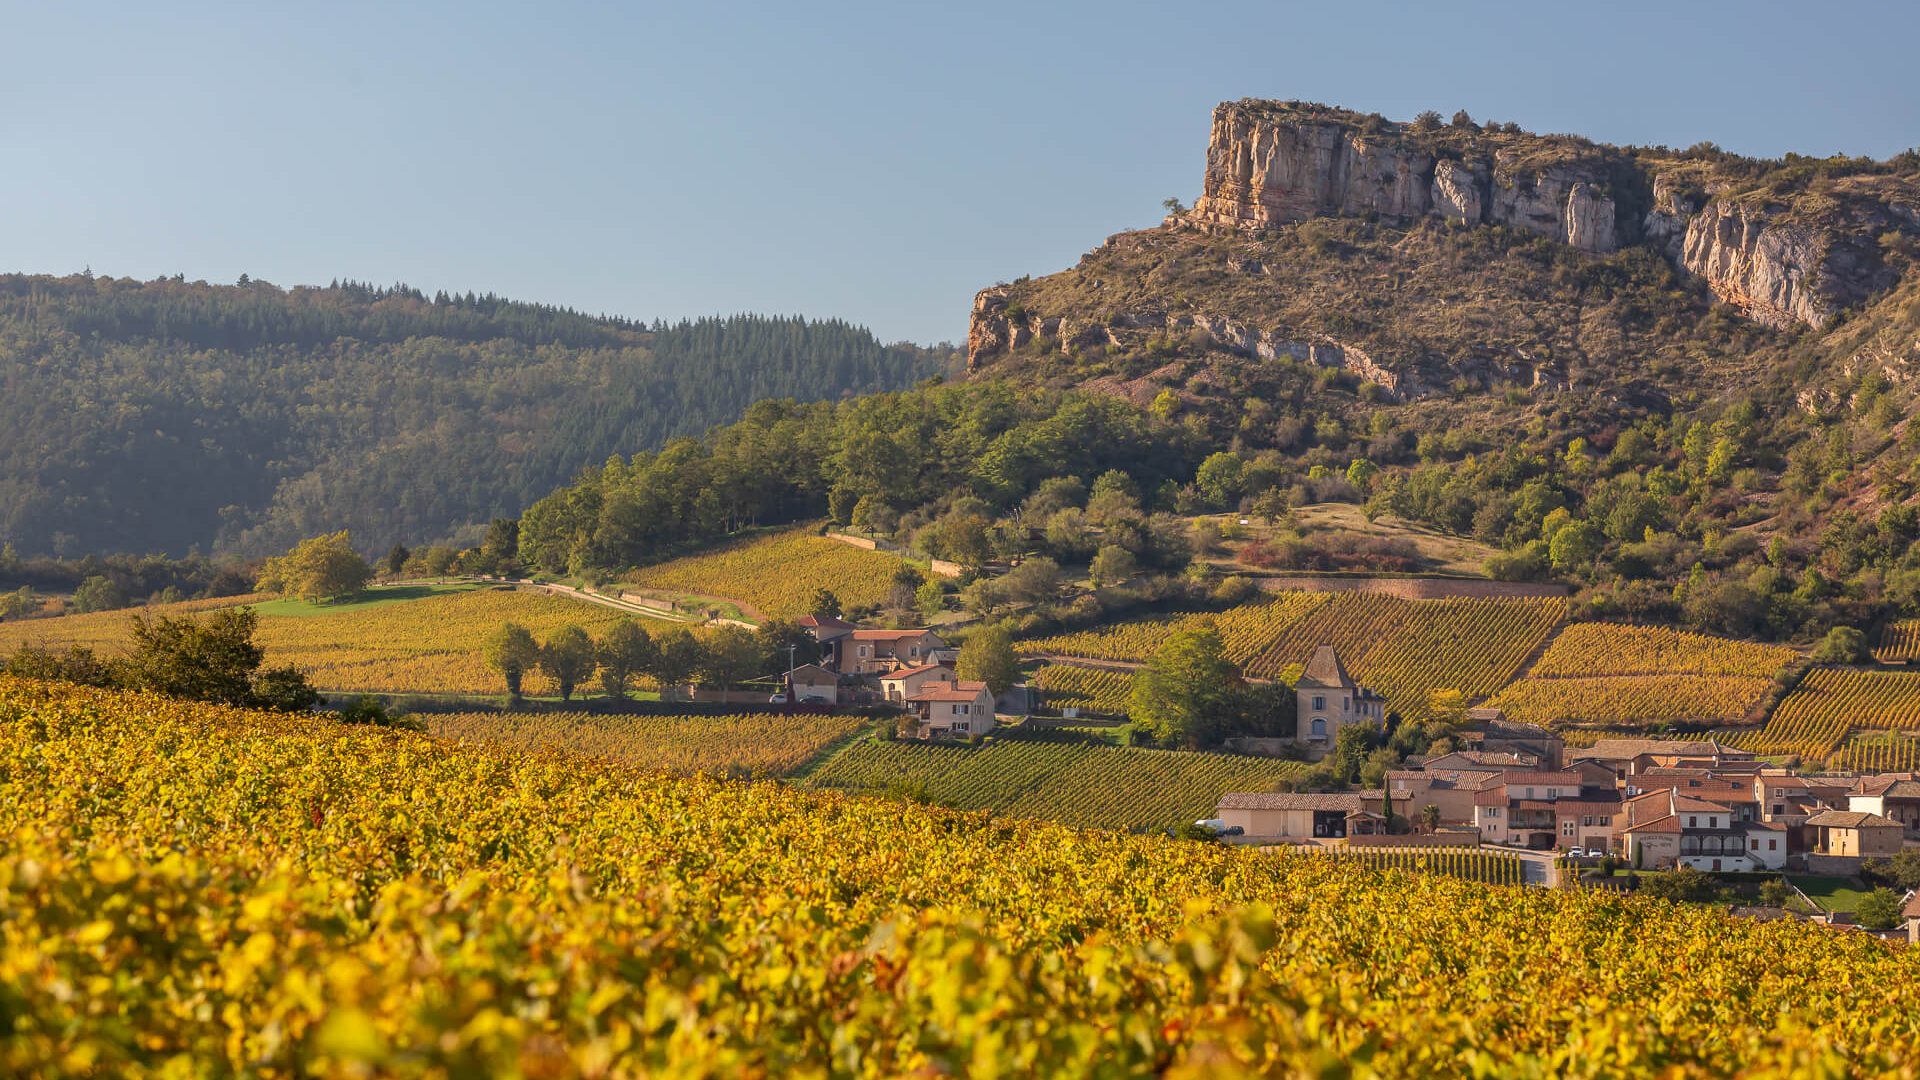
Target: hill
167 415
1690 357
235 891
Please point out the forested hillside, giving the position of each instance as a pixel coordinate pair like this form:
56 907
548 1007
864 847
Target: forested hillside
167 415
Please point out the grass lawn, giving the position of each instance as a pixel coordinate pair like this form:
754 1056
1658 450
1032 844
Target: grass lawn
1831 893
378 596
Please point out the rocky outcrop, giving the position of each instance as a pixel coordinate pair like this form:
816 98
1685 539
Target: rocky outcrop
1783 252
1771 272
1265 169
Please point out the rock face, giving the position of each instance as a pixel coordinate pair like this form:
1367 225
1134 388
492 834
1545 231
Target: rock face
1780 259
1264 170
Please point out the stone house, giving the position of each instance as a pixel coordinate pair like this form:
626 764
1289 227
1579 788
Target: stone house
1664 829
1842 838
1302 816
1450 791
1893 797
811 682
876 652
1329 700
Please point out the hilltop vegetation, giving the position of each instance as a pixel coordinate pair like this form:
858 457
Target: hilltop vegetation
169 415
243 906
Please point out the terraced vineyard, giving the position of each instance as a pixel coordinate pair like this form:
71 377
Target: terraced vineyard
1584 650
777 575
1407 648
1247 631
763 745
433 645
1628 701
1099 690
197 891
1831 703
1075 783
1899 643
1626 677
1402 648
1467 864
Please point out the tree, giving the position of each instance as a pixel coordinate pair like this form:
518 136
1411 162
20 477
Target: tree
1219 478
680 656
97 593
984 596
213 660
930 598
988 656
1112 564
1034 581
1449 706
825 604
1575 546
500 551
1879 909
397 558
1427 120
512 652
370 710
624 652
1775 892
1430 818
1842 645
733 654
1182 695
1351 747
318 569
1173 206
19 603
568 658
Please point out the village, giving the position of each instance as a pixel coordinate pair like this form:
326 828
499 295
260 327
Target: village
1598 815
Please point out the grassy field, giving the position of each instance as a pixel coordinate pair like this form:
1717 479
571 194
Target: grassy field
775 576
1075 783
1838 894
760 746
425 640
1438 552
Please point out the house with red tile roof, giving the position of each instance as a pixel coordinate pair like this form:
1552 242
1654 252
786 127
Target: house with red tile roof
1895 796
898 686
953 709
1663 829
877 652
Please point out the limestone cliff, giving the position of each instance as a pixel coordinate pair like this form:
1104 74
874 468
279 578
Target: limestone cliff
1786 243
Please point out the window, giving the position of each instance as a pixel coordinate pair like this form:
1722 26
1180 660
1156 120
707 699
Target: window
1586 819
1346 702
1772 844
1566 827
1756 843
1693 822
1319 703
1319 728
1779 808
962 709
1529 794
863 652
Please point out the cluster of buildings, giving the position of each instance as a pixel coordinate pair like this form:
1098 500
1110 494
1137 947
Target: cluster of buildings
1655 804
911 669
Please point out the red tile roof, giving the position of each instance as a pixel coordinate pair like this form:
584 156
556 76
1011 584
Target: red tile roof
954 691
910 671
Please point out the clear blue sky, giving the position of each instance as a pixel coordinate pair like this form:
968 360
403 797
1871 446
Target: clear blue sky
878 162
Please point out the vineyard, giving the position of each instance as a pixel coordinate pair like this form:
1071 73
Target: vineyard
433 645
1632 700
1585 650
1402 648
1074 783
1467 864
1881 751
777 575
1830 704
1899 643
198 891
760 746
1098 690
1247 631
